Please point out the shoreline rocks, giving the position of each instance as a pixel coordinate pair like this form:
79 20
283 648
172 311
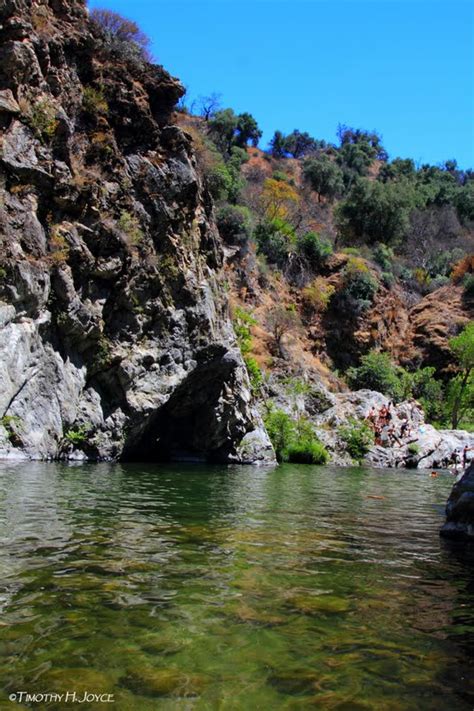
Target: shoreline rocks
459 523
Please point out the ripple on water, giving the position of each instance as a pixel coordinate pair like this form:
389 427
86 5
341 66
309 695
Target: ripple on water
233 588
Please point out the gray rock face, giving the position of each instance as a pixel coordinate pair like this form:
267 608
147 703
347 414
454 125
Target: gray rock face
421 445
417 444
115 336
460 508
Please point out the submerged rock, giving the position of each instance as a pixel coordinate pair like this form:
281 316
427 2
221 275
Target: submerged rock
163 682
460 508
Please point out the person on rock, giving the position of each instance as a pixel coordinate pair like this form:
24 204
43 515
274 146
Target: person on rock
405 429
464 455
372 419
385 436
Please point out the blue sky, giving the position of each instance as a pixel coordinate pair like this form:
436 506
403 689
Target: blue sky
404 67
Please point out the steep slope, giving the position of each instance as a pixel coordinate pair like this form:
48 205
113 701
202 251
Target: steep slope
115 339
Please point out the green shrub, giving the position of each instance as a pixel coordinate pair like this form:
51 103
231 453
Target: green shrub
42 119
234 224
12 424
130 226
307 452
438 281
281 429
377 372
279 175
468 284
243 321
94 101
429 392
359 286
358 438
383 256
413 448
318 294
255 374
294 440
77 435
388 279
315 248
275 239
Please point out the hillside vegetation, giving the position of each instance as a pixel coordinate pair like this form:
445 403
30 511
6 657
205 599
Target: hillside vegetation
344 260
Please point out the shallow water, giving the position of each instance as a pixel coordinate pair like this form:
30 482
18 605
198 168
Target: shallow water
190 587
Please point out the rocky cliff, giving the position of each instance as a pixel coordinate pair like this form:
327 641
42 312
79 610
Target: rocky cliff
115 339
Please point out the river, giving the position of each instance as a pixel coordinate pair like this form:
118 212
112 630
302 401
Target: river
196 587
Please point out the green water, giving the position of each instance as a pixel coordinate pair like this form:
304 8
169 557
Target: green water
190 587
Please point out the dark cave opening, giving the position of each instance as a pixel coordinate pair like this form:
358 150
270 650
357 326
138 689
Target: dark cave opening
194 424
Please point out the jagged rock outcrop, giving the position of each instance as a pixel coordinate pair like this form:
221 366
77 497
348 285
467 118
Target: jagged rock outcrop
115 338
414 443
459 523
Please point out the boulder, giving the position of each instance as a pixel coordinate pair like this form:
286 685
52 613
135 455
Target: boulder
459 523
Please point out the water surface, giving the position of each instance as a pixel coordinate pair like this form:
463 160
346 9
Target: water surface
190 587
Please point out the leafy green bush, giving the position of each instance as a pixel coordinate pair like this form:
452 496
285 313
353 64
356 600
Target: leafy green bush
130 226
294 440
318 294
94 101
429 391
42 118
468 284
307 452
234 224
315 248
281 429
377 212
377 372
388 279
359 286
13 425
279 175
77 435
243 321
383 256
358 438
255 374
275 239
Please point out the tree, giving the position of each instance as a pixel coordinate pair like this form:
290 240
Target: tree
281 320
228 130
461 388
222 128
299 144
370 141
398 168
324 176
247 130
277 145
122 32
377 372
208 105
278 198
376 212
